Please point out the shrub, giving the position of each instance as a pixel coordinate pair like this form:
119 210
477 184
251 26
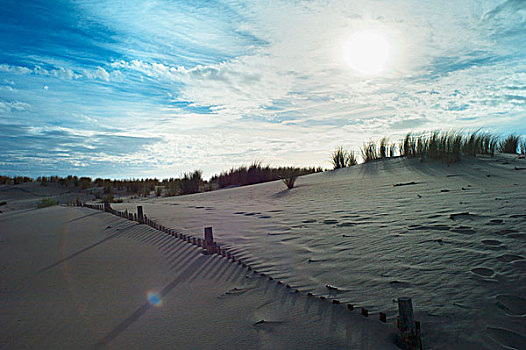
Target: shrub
509 144
190 182
46 202
289 176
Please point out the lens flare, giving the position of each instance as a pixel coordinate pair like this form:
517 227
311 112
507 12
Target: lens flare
154 299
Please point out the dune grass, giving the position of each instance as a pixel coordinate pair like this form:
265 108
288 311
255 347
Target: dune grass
338 158
256 173
341 158
46 202
510 144
289 176
369 152
447 146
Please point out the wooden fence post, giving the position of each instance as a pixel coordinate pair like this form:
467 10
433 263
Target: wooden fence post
408 328
140 215
209 240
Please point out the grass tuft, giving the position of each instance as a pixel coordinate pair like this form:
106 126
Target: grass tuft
289 176
369 152
510 144
339 157
46 202
342 158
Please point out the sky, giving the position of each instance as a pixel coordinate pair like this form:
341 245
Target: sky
156 88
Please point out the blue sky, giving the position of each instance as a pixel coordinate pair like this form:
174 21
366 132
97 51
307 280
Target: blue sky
154 88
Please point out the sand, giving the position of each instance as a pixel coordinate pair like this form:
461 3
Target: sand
451 237
75 278
26 196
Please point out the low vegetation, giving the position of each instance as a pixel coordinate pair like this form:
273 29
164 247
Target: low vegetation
46 202
191 182
446 146
255 173
342 158
289 176
510 144
112 191
15 180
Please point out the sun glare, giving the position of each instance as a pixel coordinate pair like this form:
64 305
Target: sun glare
367 52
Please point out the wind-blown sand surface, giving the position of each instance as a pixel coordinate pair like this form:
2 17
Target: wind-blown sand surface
74 278
383 230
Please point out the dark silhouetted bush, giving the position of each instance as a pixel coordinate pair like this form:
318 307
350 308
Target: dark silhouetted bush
191 182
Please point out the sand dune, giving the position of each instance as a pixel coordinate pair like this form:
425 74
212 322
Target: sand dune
27 195
452 237
75 278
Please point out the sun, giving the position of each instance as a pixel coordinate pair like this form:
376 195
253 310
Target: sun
367 52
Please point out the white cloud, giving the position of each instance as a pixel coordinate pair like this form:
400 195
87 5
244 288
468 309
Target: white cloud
99 73
60 72
15 106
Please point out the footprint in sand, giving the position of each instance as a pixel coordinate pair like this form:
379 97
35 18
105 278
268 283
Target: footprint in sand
492 242
507 338
509 258
311 221
495 222
439 227
482 271
463 229
464 215
521 236
330 221
506 232
434 216
512 304
347 224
